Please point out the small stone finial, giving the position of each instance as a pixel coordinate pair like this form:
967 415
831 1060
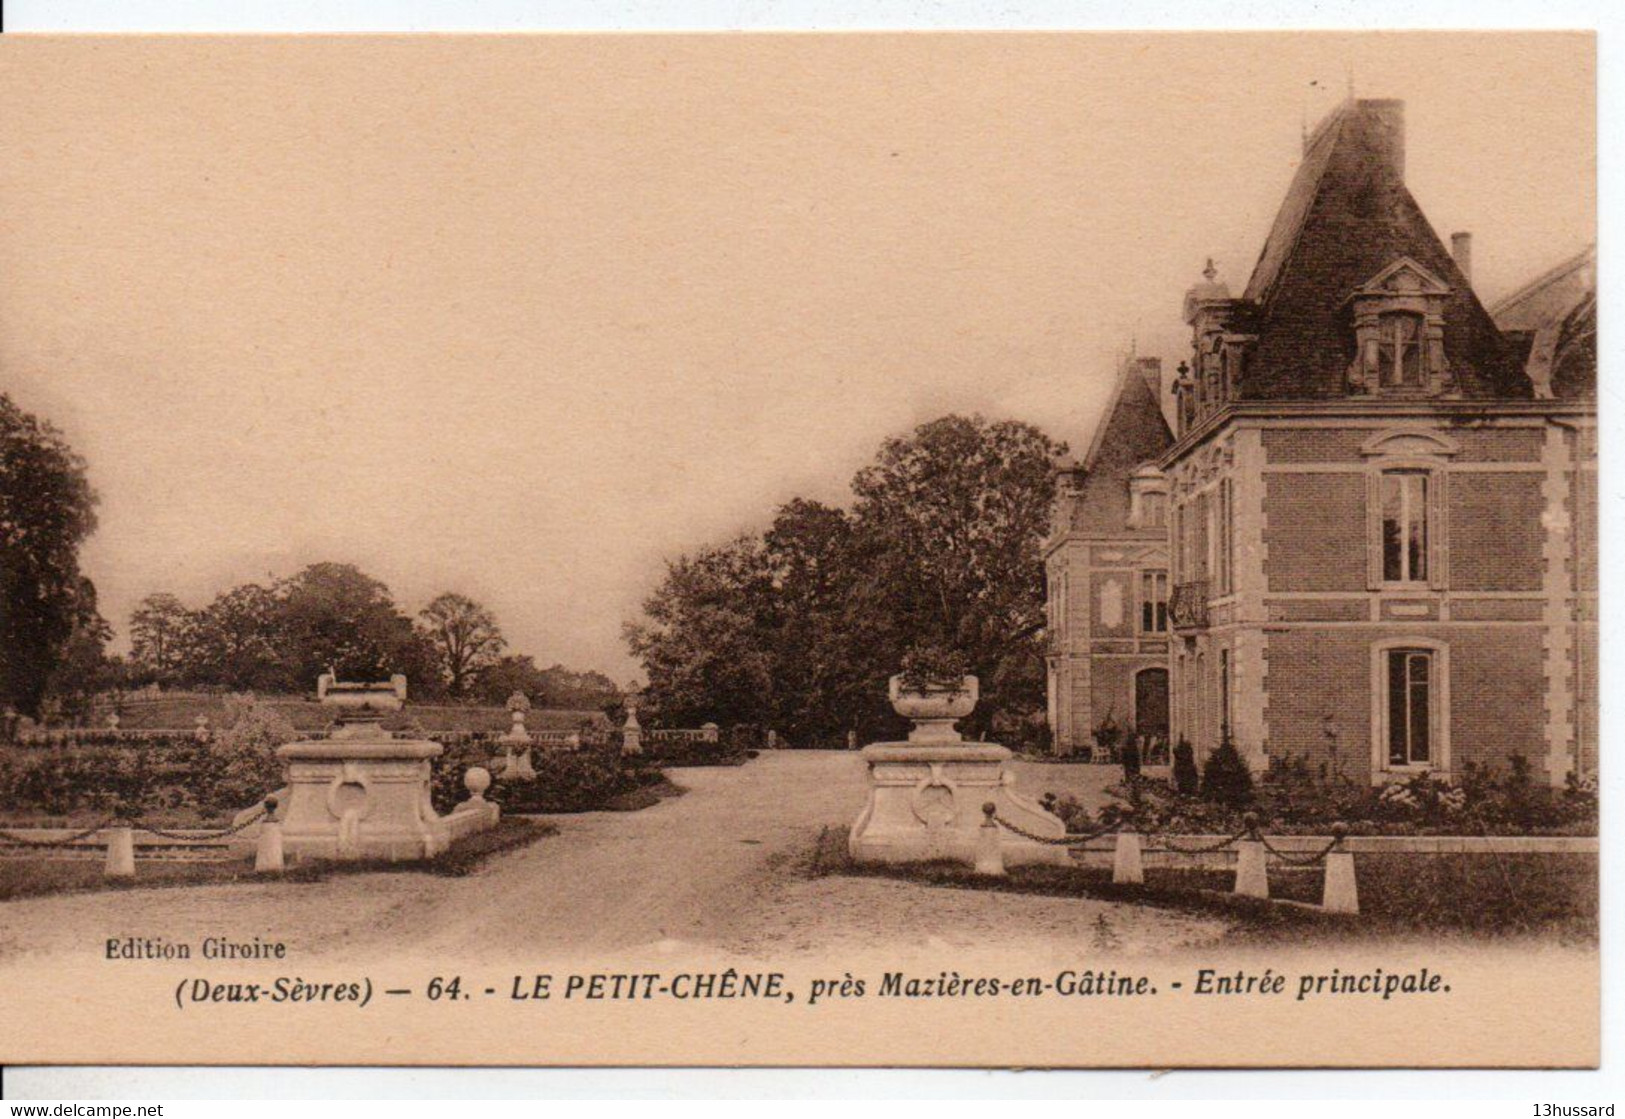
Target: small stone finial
270 807
989 809
1340 831
1210 273
477 780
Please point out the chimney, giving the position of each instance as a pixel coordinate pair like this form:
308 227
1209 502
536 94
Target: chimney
1461 247
1151 369
1384 121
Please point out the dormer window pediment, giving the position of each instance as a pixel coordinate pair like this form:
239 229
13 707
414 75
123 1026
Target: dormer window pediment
1398 325
1404 277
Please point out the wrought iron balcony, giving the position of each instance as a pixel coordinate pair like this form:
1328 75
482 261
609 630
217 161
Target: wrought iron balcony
1188 606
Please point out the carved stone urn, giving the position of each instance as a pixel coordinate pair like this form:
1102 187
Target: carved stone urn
934 709
926 795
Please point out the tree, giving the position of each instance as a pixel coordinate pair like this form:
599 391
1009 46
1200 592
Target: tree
799 628
160 629
333 615
465 639
702 644
47 509
236 641
83 669
955 514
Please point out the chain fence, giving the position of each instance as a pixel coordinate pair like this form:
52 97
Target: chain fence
1249 830
77 839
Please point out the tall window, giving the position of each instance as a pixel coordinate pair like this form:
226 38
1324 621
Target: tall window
1223 557
1399 352
1224 692
1410 707
1405 526
1154 510
1199 526
1154 602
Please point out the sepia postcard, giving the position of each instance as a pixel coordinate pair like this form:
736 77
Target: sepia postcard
910 549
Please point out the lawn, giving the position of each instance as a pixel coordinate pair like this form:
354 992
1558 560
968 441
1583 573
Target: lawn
28 877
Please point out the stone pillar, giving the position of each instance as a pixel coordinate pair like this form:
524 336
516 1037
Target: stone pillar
121 852
632 733
1252 880
1341 893
928 797
1128 868
989 851
268 852
1561 604
1249 654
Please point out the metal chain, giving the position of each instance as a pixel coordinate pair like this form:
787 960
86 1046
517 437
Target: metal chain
1054 841
203 836
113 821
1203 849
1299 860
67 841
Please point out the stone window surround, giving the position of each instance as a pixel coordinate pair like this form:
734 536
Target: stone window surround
1145 482
1418 451
1382 770
1374 306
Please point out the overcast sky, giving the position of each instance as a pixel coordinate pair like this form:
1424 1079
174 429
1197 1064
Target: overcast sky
522 317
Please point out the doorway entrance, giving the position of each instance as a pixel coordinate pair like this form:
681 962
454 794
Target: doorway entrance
1151 702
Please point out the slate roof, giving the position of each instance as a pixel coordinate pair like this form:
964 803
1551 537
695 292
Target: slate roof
1559 306
1132 431
1347 216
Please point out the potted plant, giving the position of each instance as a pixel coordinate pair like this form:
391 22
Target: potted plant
933 690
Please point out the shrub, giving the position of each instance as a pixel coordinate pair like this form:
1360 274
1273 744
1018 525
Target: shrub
1069 810
1186 779
1108 733
446 773
567 781
1130 755
932 667
241 766
1226 778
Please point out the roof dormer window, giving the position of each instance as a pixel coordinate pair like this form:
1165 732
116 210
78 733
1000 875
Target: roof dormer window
1398 322
1147 498
1400 360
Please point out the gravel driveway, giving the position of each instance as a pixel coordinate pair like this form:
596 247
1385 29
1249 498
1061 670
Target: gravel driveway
718 868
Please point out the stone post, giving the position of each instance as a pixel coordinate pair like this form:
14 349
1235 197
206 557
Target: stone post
710 732
989 851
268 853
121 852
200 728
1128 867
1251 878
1341 893
632 732
112 722
851 740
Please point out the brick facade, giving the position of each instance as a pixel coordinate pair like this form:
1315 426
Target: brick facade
1381 536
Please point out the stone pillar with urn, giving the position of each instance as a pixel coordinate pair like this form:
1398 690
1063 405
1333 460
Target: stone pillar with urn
516 744
632 732
927 795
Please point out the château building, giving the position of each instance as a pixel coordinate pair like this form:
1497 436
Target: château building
1380 501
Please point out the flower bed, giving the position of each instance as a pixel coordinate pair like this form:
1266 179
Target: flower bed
1293 799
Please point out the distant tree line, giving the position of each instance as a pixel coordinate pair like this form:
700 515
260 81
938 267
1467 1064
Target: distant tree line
280 637
798 628
275 637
